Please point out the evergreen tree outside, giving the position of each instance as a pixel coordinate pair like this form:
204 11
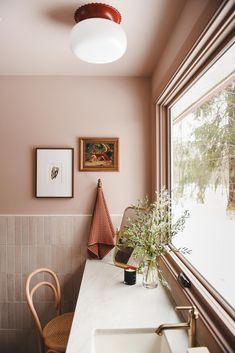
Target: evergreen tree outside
204 155
203 172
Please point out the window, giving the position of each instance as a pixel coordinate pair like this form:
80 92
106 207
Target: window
195 155
203 172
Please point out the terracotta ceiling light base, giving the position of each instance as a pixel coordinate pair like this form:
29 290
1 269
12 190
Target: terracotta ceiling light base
97 10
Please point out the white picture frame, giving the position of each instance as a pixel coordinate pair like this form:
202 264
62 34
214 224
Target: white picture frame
54 172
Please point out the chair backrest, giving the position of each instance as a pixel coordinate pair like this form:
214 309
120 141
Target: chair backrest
30 292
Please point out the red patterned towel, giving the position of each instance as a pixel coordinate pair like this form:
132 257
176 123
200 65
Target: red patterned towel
101 239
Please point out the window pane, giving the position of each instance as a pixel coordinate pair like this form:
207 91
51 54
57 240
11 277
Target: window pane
203 177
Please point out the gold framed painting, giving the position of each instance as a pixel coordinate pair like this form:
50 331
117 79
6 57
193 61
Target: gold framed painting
99 154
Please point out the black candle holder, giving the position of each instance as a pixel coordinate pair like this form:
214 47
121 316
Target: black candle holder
130 276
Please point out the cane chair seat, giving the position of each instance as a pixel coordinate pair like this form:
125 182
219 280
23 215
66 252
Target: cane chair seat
53 337
56 332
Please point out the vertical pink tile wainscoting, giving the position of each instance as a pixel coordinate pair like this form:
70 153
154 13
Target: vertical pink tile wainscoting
27 243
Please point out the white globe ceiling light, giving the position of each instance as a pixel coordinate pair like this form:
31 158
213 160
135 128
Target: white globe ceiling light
98 37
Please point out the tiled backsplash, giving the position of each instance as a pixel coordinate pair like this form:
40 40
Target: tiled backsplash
28 243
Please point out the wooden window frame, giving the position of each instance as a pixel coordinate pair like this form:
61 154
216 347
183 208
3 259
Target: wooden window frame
215 327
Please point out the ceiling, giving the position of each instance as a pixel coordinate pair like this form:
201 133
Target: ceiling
34 37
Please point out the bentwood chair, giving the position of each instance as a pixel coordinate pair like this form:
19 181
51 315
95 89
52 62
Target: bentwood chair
54 336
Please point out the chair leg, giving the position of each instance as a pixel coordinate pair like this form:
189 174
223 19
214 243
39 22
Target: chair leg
41 347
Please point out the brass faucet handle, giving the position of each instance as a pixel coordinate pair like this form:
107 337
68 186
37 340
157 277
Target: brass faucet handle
189 307
193 312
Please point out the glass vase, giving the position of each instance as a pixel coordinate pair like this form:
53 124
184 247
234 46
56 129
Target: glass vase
150 274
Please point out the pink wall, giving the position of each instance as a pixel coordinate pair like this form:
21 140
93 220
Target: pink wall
55 112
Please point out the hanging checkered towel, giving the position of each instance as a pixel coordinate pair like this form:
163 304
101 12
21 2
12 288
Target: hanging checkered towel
101 239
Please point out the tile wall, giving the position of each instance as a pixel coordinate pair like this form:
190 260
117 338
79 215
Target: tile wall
28 243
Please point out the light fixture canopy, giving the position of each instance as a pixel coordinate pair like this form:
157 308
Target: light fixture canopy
98 37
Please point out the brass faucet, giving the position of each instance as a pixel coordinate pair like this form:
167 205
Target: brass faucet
190 324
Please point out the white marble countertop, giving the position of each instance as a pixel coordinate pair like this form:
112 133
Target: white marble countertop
105 302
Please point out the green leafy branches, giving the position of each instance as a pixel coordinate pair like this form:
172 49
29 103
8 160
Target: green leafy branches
153 229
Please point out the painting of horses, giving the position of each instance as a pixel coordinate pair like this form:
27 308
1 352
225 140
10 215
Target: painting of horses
98 154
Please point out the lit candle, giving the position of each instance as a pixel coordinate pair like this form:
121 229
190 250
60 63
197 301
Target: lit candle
130 275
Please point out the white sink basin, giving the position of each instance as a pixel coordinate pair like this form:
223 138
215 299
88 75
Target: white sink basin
129 341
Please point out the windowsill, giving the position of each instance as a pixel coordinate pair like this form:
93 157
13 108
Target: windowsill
215 327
